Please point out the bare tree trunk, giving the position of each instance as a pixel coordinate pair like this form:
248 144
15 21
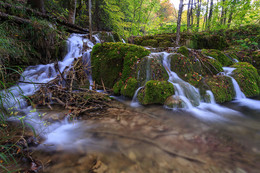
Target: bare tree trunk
178 37
210 13
206 15
37 4
90 20
188 15
191 12
72 11
231 12
198 15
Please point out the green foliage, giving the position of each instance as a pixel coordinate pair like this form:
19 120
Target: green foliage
114 61
247 78
155 92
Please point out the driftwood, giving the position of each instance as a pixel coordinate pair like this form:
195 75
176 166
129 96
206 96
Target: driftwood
67 92
69 26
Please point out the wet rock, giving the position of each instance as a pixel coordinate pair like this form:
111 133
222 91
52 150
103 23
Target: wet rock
155 92
174 102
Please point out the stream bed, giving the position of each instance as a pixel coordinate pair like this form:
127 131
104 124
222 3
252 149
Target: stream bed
152 139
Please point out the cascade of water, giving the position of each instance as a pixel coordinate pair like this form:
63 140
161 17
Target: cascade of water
135 102
239 94
211 96
184 89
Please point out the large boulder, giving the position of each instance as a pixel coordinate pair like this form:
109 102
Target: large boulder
218 55
112 62
247 78
191 66
151 68
155 92
221 86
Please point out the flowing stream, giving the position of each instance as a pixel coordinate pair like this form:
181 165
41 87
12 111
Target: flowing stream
133 138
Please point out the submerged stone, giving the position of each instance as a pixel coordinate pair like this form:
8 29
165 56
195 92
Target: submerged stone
155 92
174 102
247 78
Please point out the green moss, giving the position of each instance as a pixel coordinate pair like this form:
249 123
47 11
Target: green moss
247 78
155 92
114 61
117 87
221 87
150 69
208 41
256 60
184 51
218 55
186 68
150 42
165 44
129 88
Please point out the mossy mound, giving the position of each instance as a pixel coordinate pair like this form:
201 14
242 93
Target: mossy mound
221 87
114 61
256 60
151 42
155 92
117 87
208 41
218 55
247 78
194 65
151 68
108 36
165 44
129 88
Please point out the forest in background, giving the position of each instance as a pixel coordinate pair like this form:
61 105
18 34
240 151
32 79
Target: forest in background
146 17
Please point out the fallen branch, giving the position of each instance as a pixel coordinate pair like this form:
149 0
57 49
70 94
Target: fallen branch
172 153
70 27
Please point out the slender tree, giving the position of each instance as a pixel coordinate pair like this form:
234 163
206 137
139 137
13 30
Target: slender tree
90 19
210 13
178 37
188 15
198 14
72 11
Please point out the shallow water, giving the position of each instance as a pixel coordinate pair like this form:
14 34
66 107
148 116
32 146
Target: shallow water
154 139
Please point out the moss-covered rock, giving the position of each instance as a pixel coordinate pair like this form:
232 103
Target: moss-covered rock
184 51
256 60
155 92
208 41
151 68
151 42
117 87
165 44
218 55
114 61
221 87
247 78
129 88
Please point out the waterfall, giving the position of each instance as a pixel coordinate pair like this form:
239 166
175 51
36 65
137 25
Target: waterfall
239 94
135 102
188 93
211 97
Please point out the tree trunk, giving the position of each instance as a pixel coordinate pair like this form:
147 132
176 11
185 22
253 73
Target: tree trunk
188 15
178 37
210 13
198 15
191 13
206 15
90 19
37 4
72 11
231 12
